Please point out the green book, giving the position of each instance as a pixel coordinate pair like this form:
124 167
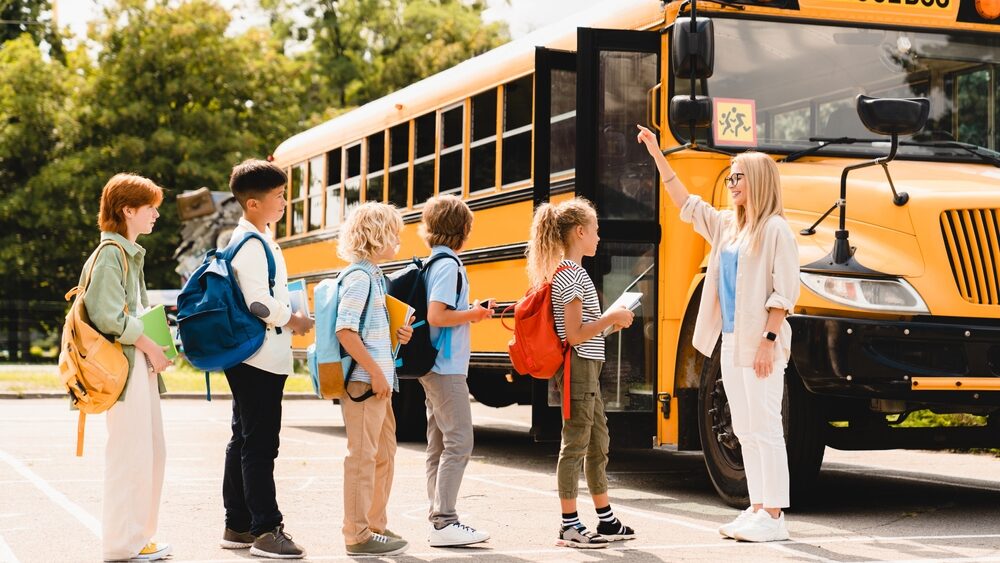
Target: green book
154 325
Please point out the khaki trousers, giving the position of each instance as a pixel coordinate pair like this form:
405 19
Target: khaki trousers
585 438
368 467
133 466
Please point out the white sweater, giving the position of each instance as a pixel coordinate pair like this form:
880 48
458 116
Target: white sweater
250 267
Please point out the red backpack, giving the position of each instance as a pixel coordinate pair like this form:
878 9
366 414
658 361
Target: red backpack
536 349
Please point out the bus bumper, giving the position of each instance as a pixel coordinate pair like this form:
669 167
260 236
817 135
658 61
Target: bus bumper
864 358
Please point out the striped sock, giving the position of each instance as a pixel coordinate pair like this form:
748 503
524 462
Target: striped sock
571 520
607 516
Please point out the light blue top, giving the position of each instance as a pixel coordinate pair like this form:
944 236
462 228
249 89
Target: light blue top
454 343
728 264
354 294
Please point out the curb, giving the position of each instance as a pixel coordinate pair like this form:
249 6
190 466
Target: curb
215 396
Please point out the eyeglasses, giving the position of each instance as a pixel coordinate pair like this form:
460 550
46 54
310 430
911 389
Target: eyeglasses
734 179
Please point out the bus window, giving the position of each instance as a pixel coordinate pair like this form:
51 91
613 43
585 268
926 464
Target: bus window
563 129
281 228
298 198
317 177
334 177
972 105
483 157
793 124
352 181
450 168
376 167
516 148
423 157
399 164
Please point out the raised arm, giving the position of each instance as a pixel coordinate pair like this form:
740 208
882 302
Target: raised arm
675 188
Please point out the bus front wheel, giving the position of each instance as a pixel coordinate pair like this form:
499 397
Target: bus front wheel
803 421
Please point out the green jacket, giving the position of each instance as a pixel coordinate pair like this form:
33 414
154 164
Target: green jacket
107 294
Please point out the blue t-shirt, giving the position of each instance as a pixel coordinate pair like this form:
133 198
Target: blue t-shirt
454 343
728 264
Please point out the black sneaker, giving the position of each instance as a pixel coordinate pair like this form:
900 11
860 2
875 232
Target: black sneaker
276 544
236 540
615 531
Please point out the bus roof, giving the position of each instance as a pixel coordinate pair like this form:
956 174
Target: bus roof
495 67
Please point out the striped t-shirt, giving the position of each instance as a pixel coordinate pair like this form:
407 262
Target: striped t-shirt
355 295
574 283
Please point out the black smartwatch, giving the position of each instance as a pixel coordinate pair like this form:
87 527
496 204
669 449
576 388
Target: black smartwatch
770 336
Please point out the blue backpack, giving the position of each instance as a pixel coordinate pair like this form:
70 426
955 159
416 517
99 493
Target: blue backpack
217 329
330 367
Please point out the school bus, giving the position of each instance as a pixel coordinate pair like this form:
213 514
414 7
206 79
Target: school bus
893 195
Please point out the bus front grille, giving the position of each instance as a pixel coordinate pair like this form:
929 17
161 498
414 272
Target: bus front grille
972 239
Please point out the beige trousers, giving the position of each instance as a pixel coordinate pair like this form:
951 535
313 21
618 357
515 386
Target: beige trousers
133 466
368 467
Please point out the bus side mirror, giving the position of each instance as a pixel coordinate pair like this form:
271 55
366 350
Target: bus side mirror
893 116
687 111
692 51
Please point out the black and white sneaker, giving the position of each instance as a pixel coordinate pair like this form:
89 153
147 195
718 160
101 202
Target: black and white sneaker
580 538
615 531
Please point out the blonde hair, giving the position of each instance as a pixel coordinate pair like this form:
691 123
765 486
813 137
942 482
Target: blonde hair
446 221
369 229
550 235
763 200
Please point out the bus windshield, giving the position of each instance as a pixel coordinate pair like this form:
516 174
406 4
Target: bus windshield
804 79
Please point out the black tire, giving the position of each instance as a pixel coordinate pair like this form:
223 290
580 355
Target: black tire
411 413
804 437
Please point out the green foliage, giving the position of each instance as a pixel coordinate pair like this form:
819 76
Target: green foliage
31 17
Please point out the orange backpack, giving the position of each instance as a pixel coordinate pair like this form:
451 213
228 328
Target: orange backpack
536 348
93 368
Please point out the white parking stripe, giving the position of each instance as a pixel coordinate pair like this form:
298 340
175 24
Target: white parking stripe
55 496
6 554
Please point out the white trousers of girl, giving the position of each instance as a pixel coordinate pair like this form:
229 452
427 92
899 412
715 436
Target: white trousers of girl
755 406
133 466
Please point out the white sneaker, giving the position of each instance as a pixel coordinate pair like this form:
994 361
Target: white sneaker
729 530
761 527
456 534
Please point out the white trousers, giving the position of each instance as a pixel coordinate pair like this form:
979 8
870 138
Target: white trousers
755 406
133 466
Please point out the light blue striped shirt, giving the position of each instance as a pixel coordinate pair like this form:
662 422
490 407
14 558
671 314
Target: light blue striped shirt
354 293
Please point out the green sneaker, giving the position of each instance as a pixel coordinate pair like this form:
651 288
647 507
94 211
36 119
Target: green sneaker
236 540
379 544
389 533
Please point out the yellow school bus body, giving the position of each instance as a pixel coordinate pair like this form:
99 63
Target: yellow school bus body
908 242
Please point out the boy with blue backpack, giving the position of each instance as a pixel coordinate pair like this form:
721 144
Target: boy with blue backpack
252 516
370 235
445 228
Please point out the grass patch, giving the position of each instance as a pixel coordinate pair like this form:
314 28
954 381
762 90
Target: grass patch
180 378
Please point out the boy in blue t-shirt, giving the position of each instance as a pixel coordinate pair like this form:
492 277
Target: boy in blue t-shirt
447 222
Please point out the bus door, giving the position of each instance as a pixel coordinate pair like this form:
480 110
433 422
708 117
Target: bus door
554 168
618 73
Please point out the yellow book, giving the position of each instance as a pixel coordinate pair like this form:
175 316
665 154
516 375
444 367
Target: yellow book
399 315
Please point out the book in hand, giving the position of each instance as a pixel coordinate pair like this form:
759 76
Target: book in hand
399 315
155 327
629 300
297 296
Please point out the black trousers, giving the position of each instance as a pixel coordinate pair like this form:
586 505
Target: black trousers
248 486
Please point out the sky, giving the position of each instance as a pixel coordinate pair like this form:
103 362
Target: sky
522 16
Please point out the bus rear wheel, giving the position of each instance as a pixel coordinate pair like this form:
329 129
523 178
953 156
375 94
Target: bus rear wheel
804 437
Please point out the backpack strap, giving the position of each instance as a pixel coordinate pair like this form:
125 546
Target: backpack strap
458 283
568 353
230 252
361 328
82 289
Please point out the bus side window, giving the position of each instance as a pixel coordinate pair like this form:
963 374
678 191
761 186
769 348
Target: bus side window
483 157
352 180
563 128
450 168
317 178
399 163
517 109
334 203
375 180
423 158
298 204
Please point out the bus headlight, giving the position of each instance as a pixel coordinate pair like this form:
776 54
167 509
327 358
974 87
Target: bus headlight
891 295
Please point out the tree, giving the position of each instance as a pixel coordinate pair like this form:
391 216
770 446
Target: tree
33 17
360 50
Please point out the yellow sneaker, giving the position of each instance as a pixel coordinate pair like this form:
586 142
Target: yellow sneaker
154 552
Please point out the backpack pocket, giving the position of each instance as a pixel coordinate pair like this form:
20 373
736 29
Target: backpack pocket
214 322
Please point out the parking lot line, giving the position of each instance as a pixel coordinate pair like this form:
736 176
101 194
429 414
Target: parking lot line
55 496
6 554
